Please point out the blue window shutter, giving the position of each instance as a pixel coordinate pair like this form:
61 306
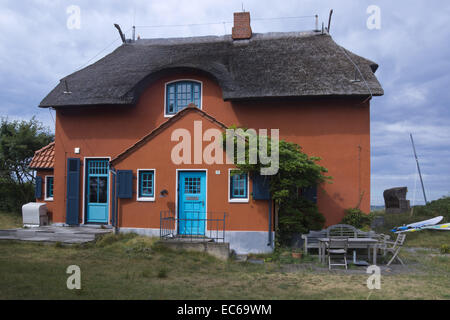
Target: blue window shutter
261 187
38 188
310 193
73 191
125 184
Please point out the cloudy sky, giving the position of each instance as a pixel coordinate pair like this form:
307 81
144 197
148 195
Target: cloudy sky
38 46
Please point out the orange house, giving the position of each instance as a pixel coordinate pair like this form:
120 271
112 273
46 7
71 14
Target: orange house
120 123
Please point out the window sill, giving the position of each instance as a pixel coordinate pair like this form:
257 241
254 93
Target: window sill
48 199
146 199
243 200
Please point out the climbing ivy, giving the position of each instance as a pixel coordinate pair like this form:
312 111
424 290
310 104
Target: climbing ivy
296 170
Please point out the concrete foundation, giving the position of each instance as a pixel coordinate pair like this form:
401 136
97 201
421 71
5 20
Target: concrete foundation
218 250
242 242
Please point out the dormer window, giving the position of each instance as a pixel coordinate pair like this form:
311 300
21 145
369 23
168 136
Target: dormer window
180 94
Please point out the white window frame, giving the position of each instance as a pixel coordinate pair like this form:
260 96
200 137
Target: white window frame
45 185
166 115
237 200
145 199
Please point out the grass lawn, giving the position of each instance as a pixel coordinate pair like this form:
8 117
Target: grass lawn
425 238
10 220
132 267
428 239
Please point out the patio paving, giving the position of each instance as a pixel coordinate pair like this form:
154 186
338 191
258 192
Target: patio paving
49 234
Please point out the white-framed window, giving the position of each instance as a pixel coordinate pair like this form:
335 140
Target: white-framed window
49 181
146 184
180 93
238 186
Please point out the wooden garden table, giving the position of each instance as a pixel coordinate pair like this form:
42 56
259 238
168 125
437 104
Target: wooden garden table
353 243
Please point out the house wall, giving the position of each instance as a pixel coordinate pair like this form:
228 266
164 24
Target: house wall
247 223
156 154
337 130
50 203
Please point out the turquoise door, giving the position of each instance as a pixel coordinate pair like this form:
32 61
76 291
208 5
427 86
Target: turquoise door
192 199
97 177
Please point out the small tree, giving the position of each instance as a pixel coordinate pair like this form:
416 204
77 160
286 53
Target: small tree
18 141
296 170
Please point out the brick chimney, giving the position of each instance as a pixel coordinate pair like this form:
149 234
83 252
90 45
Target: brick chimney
241 29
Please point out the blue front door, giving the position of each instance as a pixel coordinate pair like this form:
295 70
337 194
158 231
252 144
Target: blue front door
97 177
192 199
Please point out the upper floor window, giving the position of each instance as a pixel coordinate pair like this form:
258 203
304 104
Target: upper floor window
49 188
180 94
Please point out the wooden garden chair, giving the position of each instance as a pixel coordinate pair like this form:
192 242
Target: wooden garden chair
337 247
395 249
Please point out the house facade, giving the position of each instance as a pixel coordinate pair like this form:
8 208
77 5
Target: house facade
119 122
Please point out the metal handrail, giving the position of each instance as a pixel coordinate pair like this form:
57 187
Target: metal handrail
195 228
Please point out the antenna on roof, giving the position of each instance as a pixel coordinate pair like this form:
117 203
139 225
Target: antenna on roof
243 10
134 24
67 91
122 36
329 20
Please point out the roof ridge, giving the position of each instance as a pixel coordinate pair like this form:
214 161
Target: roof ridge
226 38
142 141
45 147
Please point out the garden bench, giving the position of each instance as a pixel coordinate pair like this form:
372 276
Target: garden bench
311 240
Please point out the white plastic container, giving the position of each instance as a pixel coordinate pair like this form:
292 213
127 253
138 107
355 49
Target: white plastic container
34 214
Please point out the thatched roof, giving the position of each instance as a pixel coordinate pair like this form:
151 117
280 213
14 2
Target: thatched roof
293 64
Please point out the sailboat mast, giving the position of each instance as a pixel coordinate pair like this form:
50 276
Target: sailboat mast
418 168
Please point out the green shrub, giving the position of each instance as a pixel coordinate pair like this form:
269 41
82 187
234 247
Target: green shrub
298 216
140 247
13 195
439 207
355 217
445 249
18 141
146 273
294 170
58 244
110 238
162 273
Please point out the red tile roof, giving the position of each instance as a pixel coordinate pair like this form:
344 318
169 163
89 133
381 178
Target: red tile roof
44 158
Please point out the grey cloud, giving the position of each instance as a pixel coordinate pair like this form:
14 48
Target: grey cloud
37 49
